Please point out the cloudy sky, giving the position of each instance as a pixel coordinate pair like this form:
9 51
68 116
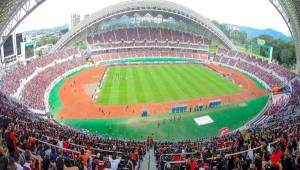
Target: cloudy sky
255 13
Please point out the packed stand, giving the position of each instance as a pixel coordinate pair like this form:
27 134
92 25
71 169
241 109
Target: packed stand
46 144
52 145
280 70
200 55
249 64
34 90
147 37
12 77
272 147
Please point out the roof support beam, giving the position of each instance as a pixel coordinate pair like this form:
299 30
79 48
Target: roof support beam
22 11
290 14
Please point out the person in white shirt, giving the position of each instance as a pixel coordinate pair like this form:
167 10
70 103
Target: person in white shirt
60 144
114 162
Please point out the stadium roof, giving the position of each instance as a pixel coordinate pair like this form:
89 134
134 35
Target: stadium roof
12 13
144 5
290 11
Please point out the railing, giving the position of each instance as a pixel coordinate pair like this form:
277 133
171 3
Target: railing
82 146
212 158
172 154
69 150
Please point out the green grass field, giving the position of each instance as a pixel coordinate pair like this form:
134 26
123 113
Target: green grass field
159 83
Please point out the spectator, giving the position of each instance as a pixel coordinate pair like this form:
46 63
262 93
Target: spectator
17 161
99 163
114 161
28 164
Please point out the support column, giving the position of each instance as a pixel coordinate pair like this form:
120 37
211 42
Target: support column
297 52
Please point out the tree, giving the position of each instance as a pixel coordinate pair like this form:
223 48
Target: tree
39 53
80 45
46 40
283 52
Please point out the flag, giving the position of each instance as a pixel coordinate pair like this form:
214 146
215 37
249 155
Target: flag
223 131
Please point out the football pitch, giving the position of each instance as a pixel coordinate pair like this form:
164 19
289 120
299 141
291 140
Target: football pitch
138 84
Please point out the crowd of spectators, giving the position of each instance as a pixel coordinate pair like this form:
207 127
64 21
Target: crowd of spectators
147 37
272 147
51 145
255 147
12 77
30 141
150 53
257 67
34 90
258 62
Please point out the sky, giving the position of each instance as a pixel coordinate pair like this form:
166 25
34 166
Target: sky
254 13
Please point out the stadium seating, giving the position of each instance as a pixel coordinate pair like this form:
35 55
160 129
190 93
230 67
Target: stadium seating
272 74
274 132
146 37
42 136
280 70
33 95
13 77
148 53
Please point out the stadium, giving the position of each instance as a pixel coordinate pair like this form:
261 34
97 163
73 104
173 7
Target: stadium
148 88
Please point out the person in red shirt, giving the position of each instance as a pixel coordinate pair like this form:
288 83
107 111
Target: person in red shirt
11 140
275 157
203 165
99 162
176 158
193 164
135 157
66 143
14 139
222 144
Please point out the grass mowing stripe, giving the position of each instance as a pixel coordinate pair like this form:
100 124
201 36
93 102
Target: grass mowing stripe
182 81
131 94
155 87
227 85
151 84
193 80
139 87
167 88
114 97
148 92
195 76
122 95
209 81
105 91
171 83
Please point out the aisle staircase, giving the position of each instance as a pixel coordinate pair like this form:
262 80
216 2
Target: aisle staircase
148 162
